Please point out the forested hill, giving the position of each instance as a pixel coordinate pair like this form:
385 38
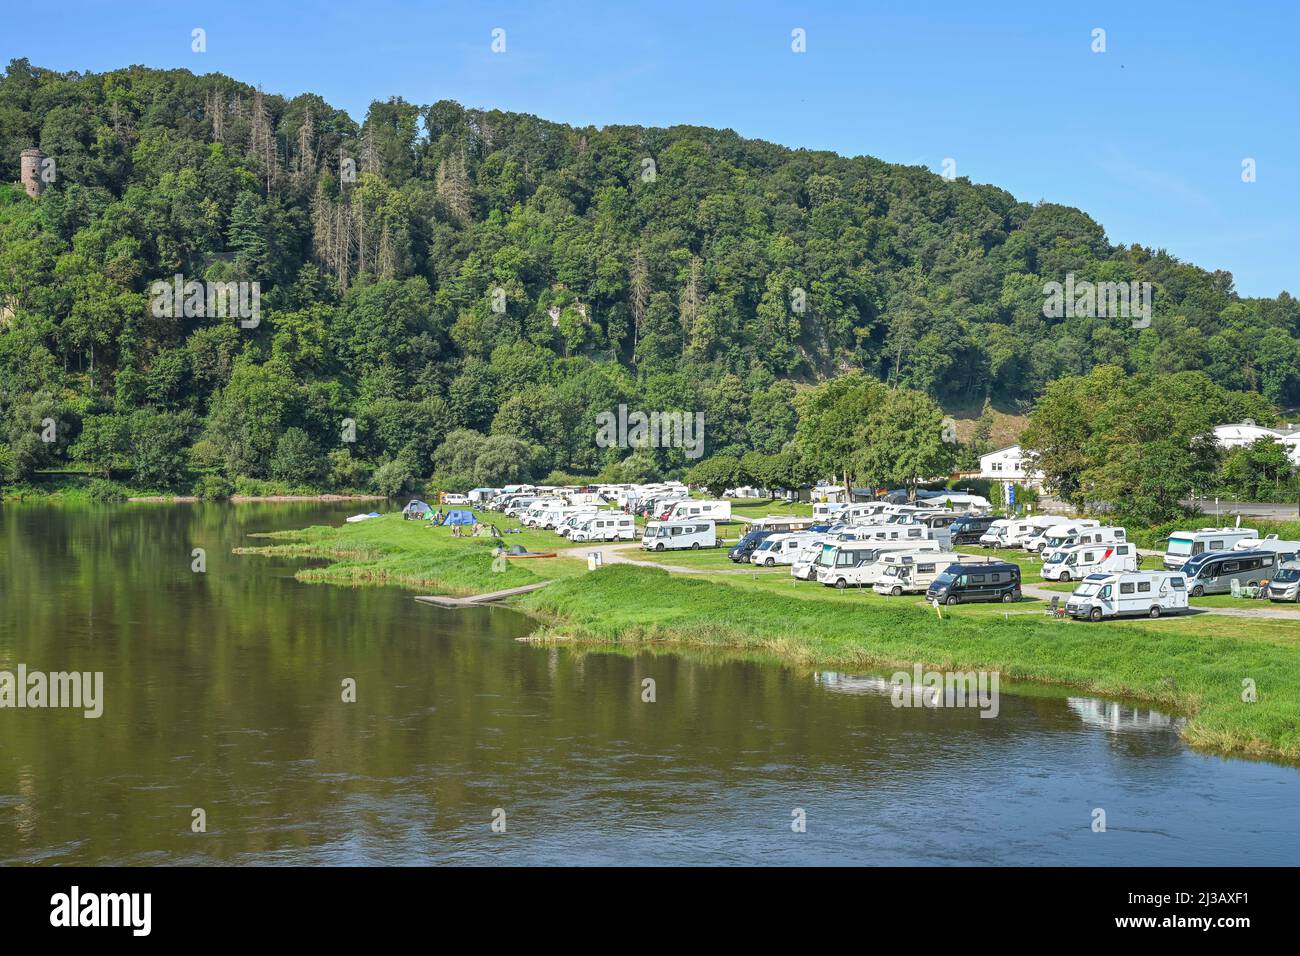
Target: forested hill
499 273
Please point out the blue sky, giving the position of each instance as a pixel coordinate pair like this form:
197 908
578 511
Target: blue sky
1148 137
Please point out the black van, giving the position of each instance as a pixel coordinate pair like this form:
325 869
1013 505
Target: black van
967 583
968 528
746 545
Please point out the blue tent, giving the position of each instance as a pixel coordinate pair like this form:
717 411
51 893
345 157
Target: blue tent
459 516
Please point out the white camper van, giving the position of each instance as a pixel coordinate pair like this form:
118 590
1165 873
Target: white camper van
781 548
679 535
1146 593
1285 583
605 526
996 535
1188 544
687 509
1079 561
910 572
572 522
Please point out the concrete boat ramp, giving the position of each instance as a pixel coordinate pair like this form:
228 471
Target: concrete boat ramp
474 599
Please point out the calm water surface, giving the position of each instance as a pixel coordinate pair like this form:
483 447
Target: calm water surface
223 691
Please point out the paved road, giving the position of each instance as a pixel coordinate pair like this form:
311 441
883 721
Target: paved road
1228 510
617 554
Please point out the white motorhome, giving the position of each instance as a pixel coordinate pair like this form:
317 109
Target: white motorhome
996 535
572 521
828 510
1188 544
1285 550
896 532
845 564
1285 583
1022 530
529 515
688 509
604 526
679 535
1066 535
909 572
551 517
1077 562
781 523
781 548
1145 593
861 513
804 567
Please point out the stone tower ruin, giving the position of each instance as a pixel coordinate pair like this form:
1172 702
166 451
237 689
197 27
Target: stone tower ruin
31 174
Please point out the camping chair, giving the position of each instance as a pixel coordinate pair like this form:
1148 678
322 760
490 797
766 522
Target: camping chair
1054 608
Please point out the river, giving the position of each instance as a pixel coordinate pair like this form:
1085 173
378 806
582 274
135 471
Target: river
223 703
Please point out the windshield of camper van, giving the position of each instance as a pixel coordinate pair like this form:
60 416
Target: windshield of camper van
1180 546
943 580
825 558
1287 575
1086 590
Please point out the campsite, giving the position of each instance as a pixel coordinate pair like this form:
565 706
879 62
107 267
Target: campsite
660 436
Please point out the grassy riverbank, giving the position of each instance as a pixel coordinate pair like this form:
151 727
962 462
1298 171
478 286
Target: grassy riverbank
1195 665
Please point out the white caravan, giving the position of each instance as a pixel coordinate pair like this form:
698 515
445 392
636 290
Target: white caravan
679 535
1188 544
1081 560
688 509
1146 593
605 526
909 572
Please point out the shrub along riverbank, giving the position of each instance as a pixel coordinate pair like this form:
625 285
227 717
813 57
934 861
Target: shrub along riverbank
1177 664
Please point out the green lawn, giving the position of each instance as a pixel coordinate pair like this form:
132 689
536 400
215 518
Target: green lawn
762 507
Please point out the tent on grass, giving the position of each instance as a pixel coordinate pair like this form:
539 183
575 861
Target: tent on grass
415 508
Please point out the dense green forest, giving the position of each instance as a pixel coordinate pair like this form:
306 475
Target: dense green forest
457 292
